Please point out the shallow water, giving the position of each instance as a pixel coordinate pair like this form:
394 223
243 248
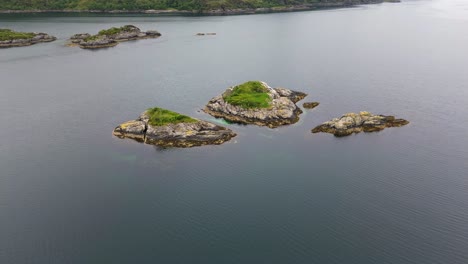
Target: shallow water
70 192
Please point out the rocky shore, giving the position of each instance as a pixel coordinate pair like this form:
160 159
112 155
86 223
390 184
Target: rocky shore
355 123
111 37
281 110
221 11
19 39
187 132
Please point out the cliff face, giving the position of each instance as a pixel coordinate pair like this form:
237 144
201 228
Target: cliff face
203 7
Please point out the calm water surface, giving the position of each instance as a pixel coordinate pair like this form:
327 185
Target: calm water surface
70 192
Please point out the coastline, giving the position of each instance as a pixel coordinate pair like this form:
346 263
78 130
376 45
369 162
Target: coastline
214 12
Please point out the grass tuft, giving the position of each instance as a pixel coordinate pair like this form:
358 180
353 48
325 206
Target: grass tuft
251 94
160 117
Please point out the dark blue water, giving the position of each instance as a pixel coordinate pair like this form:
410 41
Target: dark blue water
70 192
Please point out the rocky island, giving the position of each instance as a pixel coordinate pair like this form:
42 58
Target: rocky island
165 128
355 123
111 37
255 102
10 38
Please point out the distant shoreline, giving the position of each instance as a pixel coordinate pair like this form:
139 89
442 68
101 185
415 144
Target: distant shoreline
214 12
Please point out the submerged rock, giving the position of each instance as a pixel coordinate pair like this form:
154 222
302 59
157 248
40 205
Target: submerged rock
310 105
11 38
355 123
281 110
111 37
187 133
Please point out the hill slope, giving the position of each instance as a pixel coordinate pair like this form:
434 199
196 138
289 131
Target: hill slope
191 5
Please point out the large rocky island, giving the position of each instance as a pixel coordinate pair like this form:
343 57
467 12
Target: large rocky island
255 102
10 38
355 123
165 128
111 37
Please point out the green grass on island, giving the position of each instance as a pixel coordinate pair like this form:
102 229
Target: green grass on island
114 30
7 34
108 32
161 117
249 95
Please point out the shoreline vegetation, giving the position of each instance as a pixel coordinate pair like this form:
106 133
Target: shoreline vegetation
185 7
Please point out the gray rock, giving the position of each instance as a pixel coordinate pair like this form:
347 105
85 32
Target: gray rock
153 33
355 123
310 105
98 43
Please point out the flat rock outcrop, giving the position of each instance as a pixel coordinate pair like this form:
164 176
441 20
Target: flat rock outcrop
20 39
111 37
355 123
182 134
282 109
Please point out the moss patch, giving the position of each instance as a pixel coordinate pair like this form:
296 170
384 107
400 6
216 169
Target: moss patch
160 117
7 34
249 95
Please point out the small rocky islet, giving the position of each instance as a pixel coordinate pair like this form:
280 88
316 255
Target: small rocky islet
355 123
164 128
255 102
111 37
10 38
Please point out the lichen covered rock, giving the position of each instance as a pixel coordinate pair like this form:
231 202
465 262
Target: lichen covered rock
355 123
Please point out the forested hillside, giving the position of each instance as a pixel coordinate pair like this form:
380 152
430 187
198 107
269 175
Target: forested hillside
151 4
